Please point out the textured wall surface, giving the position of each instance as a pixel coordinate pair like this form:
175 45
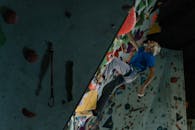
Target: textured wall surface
163 106
82 36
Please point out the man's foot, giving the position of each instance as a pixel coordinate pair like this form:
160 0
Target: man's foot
95 113
140 95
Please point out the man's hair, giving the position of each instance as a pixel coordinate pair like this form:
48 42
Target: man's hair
157 49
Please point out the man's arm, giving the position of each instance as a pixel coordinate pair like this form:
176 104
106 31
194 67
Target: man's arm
148 81
132 41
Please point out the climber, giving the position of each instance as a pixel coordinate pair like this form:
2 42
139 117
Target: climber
128 72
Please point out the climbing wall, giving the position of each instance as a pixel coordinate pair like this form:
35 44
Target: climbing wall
168 109
81 32
162 107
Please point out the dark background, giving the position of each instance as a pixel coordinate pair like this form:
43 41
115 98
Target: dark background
177 19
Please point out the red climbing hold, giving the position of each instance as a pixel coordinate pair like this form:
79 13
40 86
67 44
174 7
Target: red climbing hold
27 113
154 17
92 86
30 55
174 79
129 23
10 16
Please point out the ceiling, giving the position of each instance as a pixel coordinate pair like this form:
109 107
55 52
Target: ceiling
178 30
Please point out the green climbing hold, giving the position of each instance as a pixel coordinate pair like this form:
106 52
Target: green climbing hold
141 20
150 2
141 6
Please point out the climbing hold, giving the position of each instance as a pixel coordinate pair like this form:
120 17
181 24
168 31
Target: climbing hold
92 86
9 16
141 19
163 115
125 7
113 104
127 127
127 106
151 111
155 28
113 26
174 79
108 123
67 14
160 128
138 35
178 117
28 113
129 23
109 111
154 17
179 98
122 87
30 55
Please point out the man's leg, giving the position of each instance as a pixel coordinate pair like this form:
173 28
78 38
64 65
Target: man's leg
118 65
107 91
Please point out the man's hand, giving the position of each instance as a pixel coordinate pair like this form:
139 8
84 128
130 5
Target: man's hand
147 82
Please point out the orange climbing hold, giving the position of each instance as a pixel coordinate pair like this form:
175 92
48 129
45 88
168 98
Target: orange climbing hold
129 23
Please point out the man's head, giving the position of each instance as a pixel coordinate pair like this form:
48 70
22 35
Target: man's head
153 47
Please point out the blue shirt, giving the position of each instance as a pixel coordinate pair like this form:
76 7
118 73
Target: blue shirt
142 59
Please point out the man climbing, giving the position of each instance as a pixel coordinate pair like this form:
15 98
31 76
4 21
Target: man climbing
128 72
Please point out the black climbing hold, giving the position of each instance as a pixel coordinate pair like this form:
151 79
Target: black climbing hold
125 7
151 111
67 14
175 98
113 104
159 99
28 113
179 98
30 55
160 128
127 127
127 106
113 26
110 111
163 115
178 117
9 15
108 123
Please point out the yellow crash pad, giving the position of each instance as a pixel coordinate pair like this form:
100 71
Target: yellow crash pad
88 102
